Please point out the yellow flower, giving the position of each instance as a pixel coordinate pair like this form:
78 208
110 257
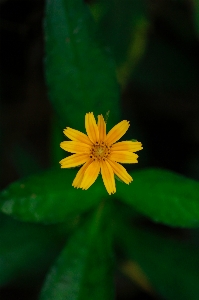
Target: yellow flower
99 152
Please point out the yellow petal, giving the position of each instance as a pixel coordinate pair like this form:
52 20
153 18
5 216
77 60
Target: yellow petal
117 132
74 160
75 147
76 135
102 128
124 157
108 177
120 171
90 175
91 127
80 174
127 146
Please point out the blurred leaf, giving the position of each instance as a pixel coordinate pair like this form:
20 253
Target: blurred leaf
48 197
123 27
1 153
135 52
134 272
171 265
84 269
98 8
26 251
196 15
80 76
163 196
119 23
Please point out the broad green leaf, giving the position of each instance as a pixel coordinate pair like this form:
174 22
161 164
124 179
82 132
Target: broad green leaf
80 75
49 197
27 251
84 268
163 196
171 265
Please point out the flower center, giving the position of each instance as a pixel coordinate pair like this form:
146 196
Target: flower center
100 151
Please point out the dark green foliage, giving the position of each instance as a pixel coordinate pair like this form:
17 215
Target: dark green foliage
27 250
164 196
123 17
80 76
48 197
170 264
84 268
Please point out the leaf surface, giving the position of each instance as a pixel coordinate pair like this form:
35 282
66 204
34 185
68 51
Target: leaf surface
48 197
27 251
163 196
80 74
84 268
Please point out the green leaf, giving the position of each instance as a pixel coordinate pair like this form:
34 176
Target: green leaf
163 196
26 251
171 265
80 75
119 24
196 15
48 197
84 268
123 27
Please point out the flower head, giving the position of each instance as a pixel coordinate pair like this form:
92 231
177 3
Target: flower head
98 152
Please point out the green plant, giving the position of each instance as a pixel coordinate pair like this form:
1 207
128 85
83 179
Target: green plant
86 235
